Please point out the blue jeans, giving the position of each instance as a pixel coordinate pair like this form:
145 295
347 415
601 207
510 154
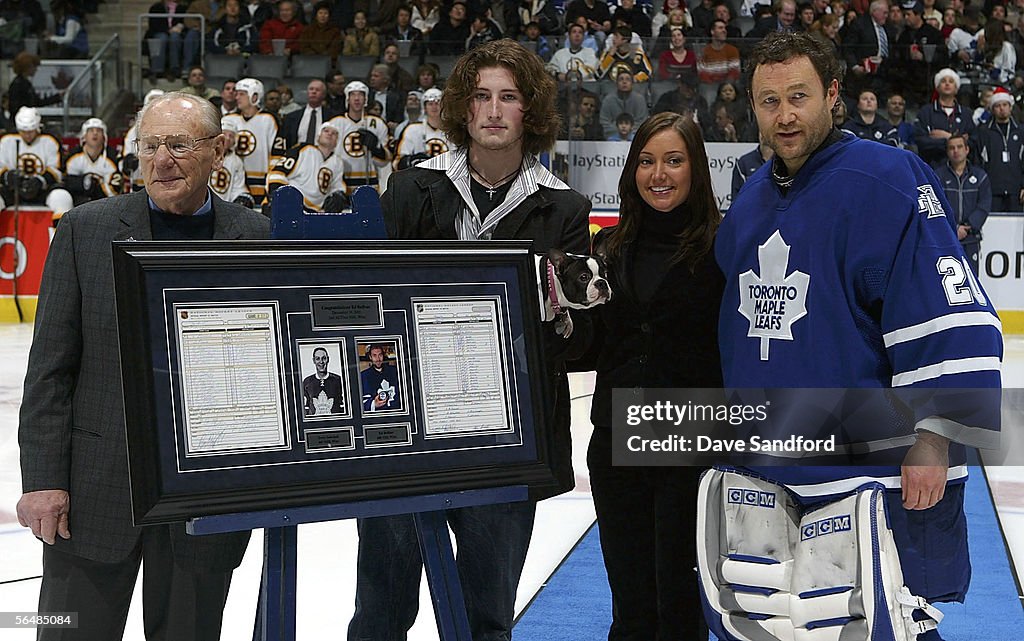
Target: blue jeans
173 46
492 542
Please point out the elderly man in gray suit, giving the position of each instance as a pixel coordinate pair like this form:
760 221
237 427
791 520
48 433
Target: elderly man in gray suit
72 435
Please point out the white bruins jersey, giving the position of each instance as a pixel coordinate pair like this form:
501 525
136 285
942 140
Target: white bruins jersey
420 138
305 168
41 158
228 182
361 167
258 145
103 169
127 149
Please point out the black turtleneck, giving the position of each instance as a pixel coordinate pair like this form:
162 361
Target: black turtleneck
174 227
657 242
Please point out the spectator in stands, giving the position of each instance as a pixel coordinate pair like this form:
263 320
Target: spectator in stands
931 14
839 114
949 24
360 39
746 165
482 29
941 119
288 104
702 14
90 169
969 192
69 38
211 10
426 77
623 100
272 102
228 102
896 113
391 100
962 40
805 15
335 100
404 31
30 165
589 41
868 45
660 19
543 12
783 19
177 43
301 125
21 93
895 21
729 96
677 59
909 67
867 124
449 35
259 11
632 16
321 37
425 15
24 19
720 60
999 58
195 84
684 99
623 128
622 54
1001 147
386 15
581 122
228 180
534 41
724 13
597 14
827 28
676 20
233 33
285 26
398 79
722 128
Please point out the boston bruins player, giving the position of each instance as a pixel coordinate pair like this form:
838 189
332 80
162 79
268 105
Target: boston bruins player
315 170
424 139
30 165
258 143
362 139
90 170
228 181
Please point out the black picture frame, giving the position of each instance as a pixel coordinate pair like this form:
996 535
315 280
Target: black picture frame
174 477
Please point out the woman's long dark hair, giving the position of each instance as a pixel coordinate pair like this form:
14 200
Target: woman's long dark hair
698 235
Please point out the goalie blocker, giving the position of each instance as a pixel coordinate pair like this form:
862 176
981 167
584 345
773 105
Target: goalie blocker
771 569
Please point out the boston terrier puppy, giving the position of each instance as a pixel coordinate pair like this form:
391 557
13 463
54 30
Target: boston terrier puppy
570 281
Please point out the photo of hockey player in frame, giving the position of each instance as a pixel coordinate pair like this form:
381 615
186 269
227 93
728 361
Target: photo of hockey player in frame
381 388
323 388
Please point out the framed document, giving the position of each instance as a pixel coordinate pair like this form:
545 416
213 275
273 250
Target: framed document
273 374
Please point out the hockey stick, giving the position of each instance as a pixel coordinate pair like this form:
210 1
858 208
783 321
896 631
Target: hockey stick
17 215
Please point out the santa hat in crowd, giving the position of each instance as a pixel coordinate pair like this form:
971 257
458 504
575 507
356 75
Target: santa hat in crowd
947 73
1000 95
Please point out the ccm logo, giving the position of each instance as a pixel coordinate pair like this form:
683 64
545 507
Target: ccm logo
757 498
839 523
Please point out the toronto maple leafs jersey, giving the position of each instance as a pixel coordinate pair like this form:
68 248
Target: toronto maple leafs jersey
853 278
360 166
305 168
259 146
41 157
420 138
102 169
228 181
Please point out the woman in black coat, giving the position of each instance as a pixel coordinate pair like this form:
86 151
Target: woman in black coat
660 330
21 92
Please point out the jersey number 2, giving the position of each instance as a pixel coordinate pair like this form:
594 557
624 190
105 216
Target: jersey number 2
958 281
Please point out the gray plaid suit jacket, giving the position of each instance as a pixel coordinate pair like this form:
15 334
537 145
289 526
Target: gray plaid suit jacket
71 431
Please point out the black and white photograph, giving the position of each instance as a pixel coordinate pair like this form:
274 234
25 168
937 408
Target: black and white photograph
322 365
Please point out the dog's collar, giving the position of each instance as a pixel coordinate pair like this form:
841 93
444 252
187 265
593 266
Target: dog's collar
552 292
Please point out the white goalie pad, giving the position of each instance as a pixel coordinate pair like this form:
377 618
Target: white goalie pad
770 571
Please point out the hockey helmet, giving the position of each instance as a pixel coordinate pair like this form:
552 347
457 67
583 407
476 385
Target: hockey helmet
253 88
27 119
432 95
93 123
356 85
152 95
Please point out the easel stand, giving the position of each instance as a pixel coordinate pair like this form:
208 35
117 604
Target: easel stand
278 587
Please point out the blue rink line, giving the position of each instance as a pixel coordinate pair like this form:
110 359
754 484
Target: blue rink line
575 604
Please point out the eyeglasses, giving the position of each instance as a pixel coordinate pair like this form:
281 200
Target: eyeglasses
178 145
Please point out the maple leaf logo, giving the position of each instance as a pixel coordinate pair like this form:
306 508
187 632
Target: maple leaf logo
322 404
773 301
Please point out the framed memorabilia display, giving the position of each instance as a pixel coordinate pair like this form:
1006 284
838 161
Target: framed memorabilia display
273 374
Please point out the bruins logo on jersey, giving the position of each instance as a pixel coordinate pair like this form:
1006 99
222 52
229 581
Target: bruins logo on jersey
323 179
31 164
220 180
245 143
436 147
354 145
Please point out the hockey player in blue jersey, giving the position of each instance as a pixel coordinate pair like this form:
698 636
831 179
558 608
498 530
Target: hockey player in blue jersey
842 271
